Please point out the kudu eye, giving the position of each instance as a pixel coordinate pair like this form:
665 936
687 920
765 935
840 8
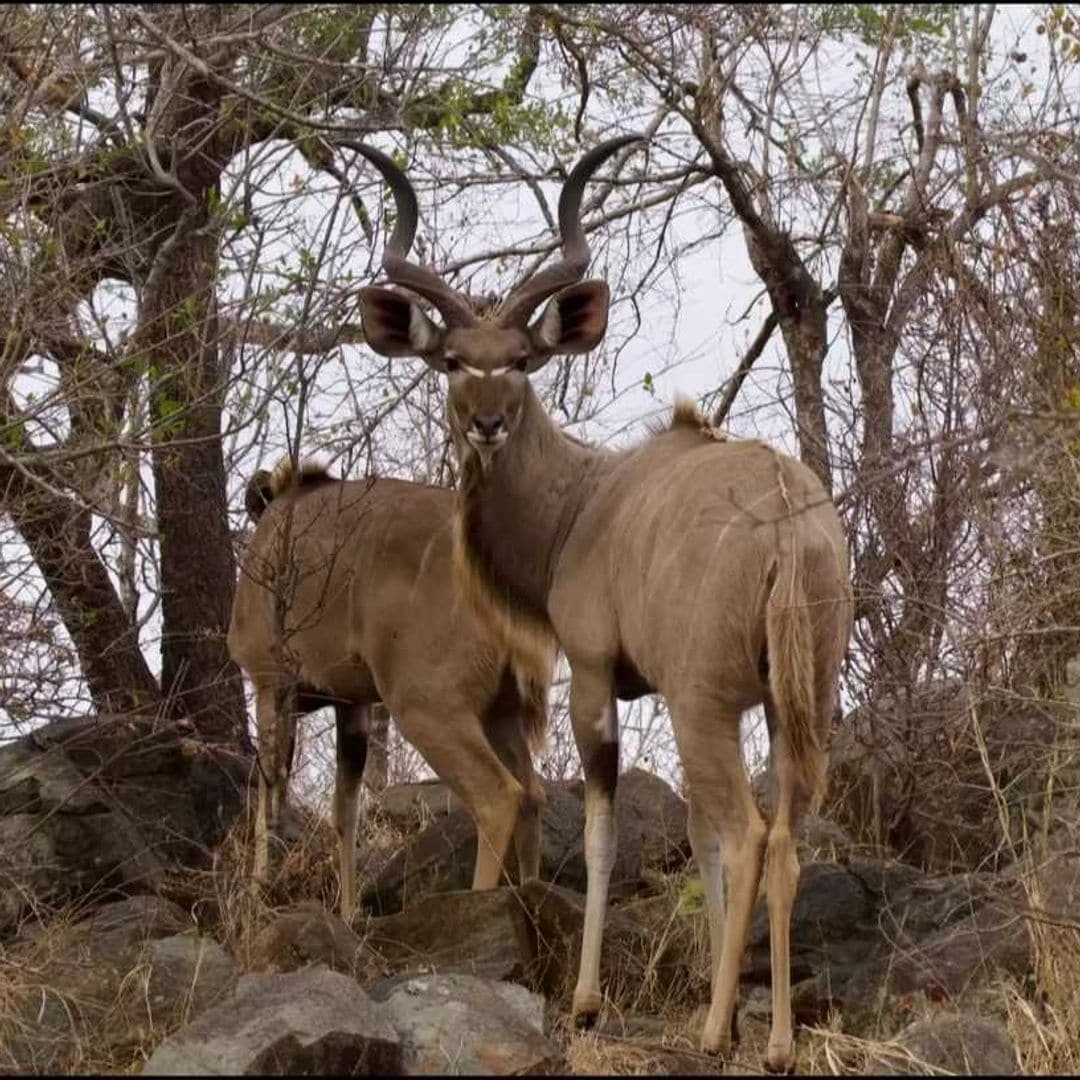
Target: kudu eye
451 362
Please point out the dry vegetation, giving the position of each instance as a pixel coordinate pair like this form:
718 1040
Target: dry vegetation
854 233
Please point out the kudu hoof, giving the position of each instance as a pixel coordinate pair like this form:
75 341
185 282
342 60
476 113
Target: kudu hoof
586 1009
780 1060
722 1046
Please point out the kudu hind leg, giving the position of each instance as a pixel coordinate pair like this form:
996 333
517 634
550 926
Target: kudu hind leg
709 857
781 883
596 732
353 727
272 774
456 747
724 805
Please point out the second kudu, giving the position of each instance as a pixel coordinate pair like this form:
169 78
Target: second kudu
346 599
711 570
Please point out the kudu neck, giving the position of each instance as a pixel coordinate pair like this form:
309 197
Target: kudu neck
520 511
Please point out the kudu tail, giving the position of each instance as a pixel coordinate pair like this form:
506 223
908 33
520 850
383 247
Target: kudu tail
265 486
790 638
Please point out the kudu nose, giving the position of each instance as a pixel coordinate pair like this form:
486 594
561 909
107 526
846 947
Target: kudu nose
488 426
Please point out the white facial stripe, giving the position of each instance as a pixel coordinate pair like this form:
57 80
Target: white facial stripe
481 374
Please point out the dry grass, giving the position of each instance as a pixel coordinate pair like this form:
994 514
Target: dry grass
1045 1025
67 1006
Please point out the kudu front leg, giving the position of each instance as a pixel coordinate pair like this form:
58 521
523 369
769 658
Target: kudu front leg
596 732
456 747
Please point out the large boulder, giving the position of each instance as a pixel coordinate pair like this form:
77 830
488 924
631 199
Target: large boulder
463 931
870 929
831 922
102 806
410 806
96 988
651 820
309 1022
307 934
462 1025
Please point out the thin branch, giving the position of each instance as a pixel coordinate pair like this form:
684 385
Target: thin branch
734 383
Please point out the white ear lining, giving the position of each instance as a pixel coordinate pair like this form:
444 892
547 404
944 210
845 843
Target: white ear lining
549 330
423 333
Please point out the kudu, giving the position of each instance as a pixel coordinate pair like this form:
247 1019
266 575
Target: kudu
711 570
347 598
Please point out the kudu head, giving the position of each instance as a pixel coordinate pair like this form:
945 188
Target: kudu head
487 358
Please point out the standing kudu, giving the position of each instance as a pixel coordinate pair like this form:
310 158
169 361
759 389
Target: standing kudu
347 598
712 571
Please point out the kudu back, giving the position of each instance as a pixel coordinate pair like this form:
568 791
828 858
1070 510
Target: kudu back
710 569
346 598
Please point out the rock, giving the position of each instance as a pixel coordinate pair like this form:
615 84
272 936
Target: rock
307 934
635 967
461 1025
819 838
831 921
464 931
908 768
954 958
406 806
187 974
442 857
100 806
905 932
304 1022
99 984
439 859
952 1043
651 820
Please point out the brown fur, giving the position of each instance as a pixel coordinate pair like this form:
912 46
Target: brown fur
712 570
374 614
690 559
522 630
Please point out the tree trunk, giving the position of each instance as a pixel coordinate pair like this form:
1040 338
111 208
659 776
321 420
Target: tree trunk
178 331
57 532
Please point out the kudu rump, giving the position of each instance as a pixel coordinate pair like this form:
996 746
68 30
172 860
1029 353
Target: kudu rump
347 598
712 571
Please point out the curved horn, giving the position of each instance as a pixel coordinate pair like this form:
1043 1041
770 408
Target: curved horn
527 296
454 309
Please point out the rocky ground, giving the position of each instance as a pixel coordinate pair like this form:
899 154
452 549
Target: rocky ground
131 941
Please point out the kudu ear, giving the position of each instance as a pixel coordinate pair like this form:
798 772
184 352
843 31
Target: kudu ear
574 321
394 325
